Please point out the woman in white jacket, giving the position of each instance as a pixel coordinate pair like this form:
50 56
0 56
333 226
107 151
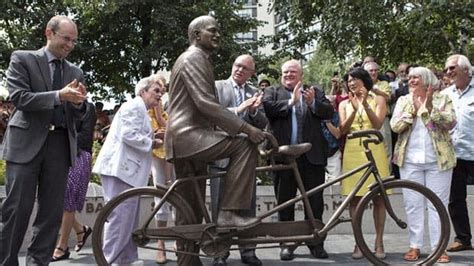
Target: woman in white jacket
124 162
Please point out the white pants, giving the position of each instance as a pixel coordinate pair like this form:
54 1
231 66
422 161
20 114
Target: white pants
437 181
159 177
334 165
118 244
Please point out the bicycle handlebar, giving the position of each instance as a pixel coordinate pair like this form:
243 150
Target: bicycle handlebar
369 133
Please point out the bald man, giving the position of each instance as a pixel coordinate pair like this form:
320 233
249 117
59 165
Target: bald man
40 142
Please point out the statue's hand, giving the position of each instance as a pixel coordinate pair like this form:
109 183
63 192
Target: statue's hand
254 134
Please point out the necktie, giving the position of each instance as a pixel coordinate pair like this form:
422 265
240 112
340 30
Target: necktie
57 79
239 98
58 115
299 120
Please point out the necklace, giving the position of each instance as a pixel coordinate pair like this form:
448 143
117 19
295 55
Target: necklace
360 120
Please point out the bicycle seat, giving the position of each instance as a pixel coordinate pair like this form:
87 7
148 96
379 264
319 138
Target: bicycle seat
293 151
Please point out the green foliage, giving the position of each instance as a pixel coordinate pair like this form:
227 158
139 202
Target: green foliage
263 178
122 41
321 67
393 31
22 25
96 146
2 172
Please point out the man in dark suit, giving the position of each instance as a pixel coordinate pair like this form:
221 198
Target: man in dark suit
243 100
40 141
295 113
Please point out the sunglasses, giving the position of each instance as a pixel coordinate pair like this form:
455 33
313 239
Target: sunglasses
451 68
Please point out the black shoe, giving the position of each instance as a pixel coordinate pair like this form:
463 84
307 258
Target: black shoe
219 261
318 252
64 256
251 260
86 231
286 253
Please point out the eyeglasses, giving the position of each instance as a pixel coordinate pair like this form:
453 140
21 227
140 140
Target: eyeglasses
244 68
66 38
450 68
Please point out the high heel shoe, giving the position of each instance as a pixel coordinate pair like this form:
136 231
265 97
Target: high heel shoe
357 254
380 255
64 256
87 231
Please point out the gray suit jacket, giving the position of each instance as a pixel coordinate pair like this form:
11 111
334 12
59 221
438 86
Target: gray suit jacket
30 87
227 98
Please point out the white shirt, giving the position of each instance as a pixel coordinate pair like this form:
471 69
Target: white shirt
462 134
420 146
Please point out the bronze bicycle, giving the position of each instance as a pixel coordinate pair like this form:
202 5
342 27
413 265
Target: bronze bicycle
216 241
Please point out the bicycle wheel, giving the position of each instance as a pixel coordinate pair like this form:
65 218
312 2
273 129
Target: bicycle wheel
145 197
396 240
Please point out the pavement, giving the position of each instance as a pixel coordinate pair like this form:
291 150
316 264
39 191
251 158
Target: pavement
339 247
339 242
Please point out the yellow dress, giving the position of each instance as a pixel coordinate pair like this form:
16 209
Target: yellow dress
354 155
158 152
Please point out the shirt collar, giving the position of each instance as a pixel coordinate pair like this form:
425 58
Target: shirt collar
50 55
235 85
454 90
470 86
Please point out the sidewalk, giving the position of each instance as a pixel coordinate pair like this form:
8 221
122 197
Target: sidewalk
339 243
338 246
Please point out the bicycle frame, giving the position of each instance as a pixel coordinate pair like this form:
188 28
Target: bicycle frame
335 219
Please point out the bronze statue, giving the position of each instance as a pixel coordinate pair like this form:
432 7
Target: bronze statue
191 139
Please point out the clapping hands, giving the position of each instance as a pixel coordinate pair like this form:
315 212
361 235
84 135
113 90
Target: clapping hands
74 92
418 100
250 104
360 99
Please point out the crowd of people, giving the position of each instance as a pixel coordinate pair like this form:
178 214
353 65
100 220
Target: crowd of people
426 118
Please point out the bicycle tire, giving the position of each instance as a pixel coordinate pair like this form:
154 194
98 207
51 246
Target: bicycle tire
174 199
429 196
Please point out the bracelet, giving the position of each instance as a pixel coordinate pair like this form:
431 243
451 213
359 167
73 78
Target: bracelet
367 107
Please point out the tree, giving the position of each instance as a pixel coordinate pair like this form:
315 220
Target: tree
123 41
321 68
394 31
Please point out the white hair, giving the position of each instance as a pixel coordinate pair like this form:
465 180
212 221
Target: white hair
145 83
370 63
426 75
293 62
462 61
